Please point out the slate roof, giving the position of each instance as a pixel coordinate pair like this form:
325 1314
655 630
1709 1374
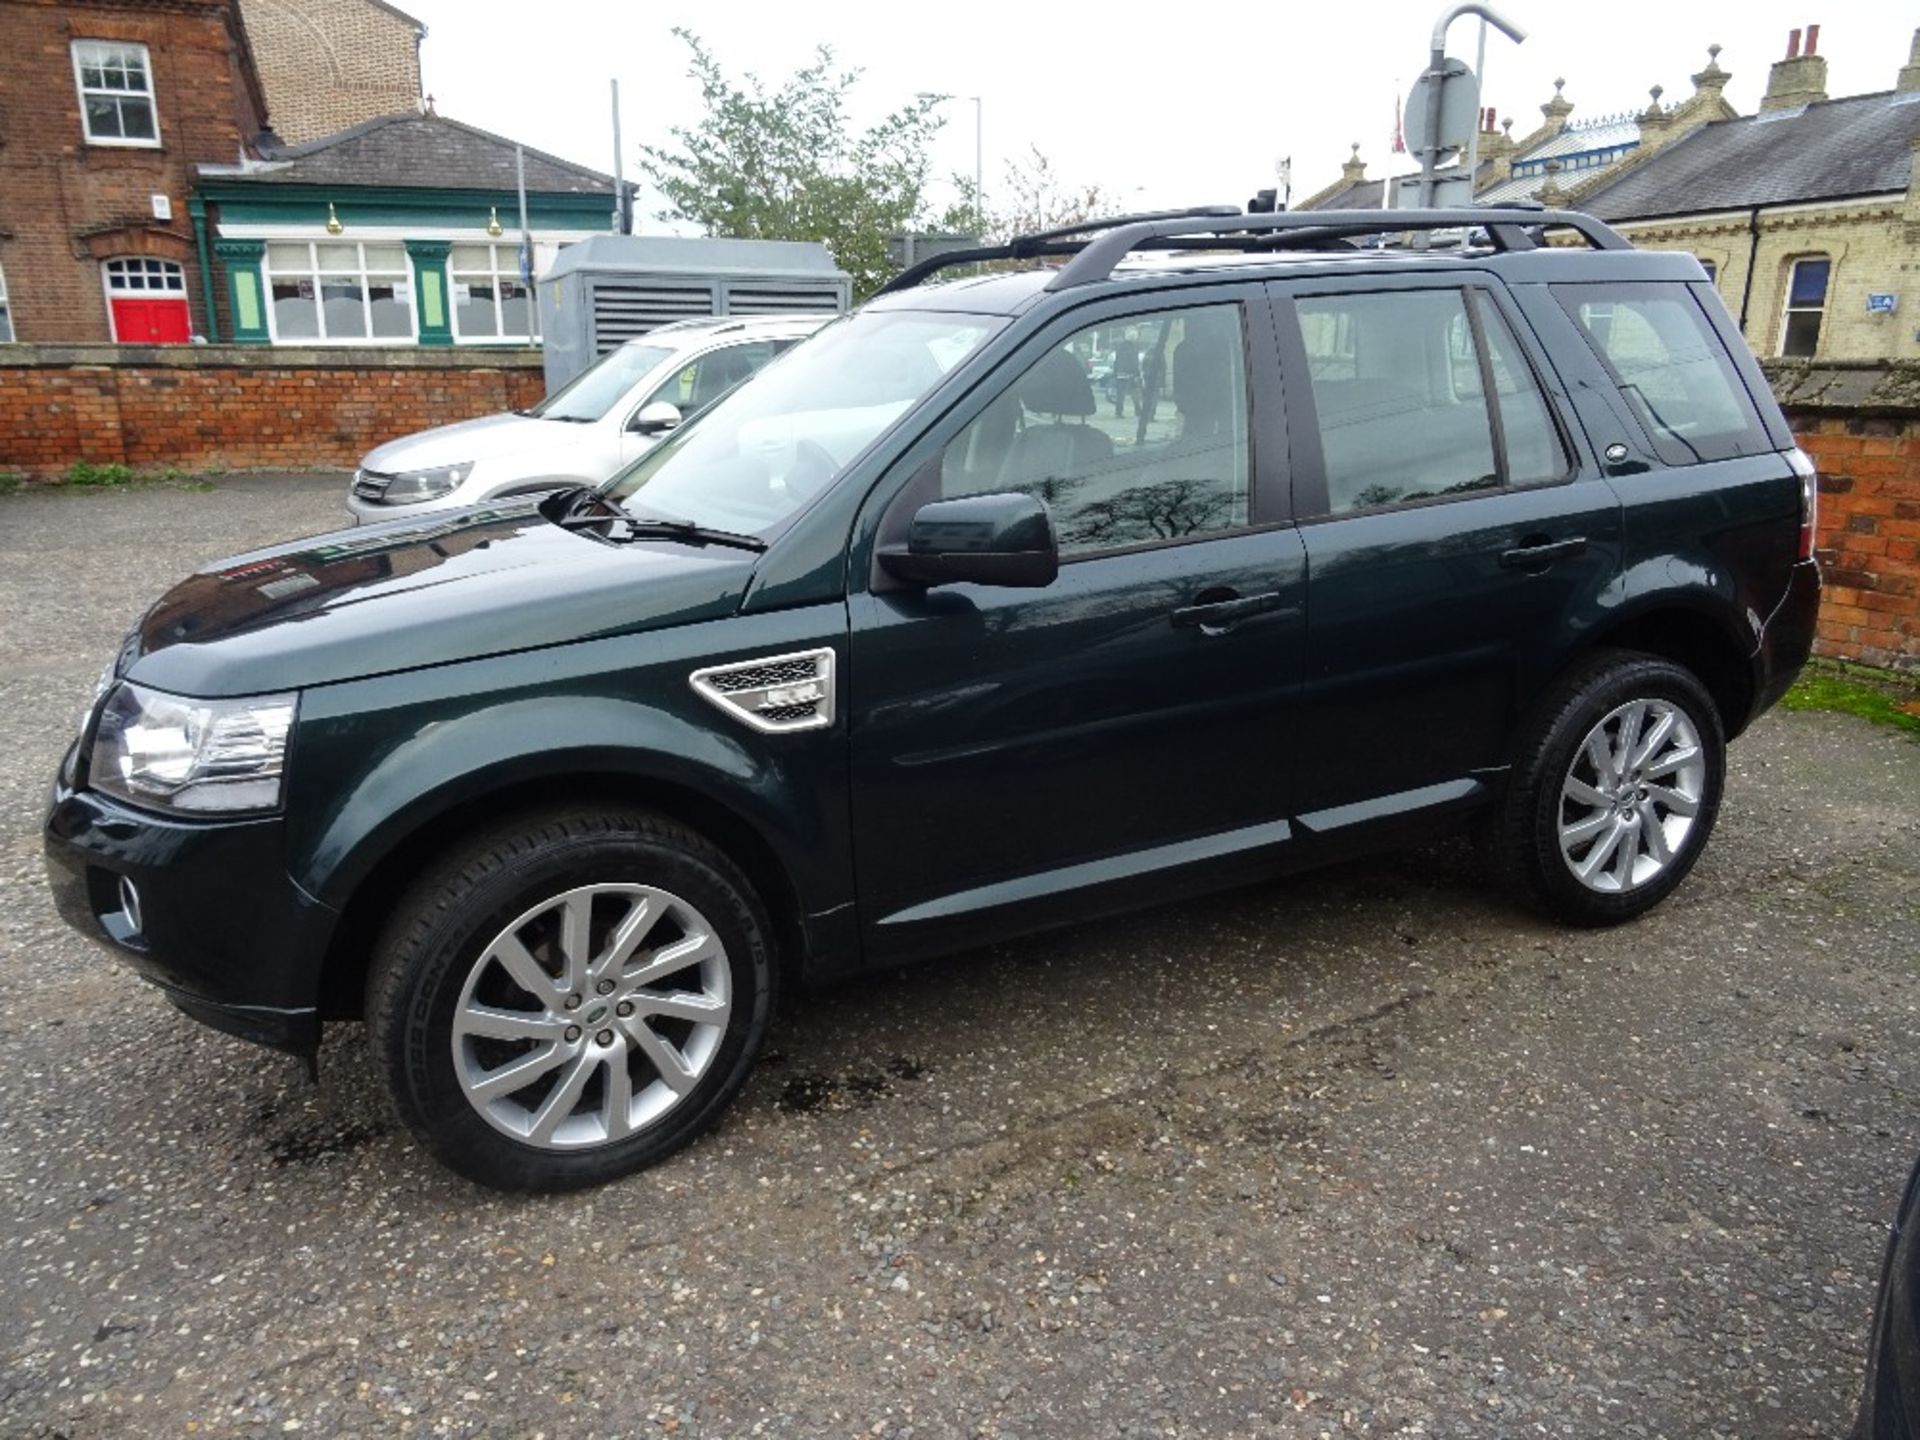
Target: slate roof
1367 195
1837 148
427 151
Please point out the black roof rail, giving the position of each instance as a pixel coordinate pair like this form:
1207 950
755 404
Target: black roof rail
1045 242
1225 227
1507 227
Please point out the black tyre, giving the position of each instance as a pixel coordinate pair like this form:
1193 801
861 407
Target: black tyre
1614 790
570 998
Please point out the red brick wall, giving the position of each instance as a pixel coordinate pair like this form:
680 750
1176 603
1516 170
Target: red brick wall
237 407
67 204
1869 541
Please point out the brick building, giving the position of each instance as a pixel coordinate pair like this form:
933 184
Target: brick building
109 105
402 230
328 65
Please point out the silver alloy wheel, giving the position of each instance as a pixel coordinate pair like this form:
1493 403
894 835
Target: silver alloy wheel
591 1016
1631 796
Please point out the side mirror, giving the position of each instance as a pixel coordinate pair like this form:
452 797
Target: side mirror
656 417
986 539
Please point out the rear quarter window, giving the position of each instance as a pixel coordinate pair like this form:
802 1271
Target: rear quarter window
1671 368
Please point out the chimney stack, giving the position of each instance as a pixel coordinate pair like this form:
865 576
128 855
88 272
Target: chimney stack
1801 78
1909 80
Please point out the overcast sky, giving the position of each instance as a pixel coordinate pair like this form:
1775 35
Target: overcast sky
1163 104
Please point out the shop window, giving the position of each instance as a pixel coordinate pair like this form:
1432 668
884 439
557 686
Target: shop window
490 302
338 290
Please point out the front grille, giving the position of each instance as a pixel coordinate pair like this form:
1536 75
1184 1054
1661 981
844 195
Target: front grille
371 486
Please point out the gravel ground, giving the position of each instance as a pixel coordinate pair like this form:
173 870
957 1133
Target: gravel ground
1361 1153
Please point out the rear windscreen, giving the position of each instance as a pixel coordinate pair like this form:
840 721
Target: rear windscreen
1671 367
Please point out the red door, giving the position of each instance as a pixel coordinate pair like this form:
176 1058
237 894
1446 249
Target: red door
150 322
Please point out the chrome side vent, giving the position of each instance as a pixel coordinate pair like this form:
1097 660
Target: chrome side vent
779 694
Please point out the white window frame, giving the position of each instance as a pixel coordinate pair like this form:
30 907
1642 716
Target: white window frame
1788 309
314 273
495 275
12 334
82 90
172 269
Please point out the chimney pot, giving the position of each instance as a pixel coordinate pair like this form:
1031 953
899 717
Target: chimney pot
1793 44
1813 38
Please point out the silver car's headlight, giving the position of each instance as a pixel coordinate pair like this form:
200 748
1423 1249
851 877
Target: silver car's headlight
410 487
199 757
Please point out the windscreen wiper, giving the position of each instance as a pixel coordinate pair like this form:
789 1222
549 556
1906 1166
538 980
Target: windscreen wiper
650 528
586 509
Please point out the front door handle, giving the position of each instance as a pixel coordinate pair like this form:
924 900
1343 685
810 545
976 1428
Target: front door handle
1216 615
1537 552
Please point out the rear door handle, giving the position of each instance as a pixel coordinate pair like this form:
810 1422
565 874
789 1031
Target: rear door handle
1217 615
1536 552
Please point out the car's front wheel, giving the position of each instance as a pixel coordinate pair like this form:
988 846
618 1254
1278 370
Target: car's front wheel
1614 790
571 998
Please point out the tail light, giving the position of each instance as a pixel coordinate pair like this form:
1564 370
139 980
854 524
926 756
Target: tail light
1803 467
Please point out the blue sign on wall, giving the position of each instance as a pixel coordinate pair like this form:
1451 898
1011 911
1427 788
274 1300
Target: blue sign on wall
1881 303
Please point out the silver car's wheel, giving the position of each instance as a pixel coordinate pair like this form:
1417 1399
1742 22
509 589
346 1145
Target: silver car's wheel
591 1016
1631 796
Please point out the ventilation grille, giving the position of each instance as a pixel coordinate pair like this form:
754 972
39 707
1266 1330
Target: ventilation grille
625 312
780 300
778 694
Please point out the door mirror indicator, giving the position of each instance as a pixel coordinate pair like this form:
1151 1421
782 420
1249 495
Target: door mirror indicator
656 417
985 539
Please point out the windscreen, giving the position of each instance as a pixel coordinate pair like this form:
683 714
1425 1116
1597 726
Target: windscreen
598 388
762 452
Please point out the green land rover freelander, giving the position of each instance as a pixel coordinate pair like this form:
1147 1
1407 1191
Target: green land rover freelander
1214 546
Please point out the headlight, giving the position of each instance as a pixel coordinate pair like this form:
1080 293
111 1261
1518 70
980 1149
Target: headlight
196 756
410 487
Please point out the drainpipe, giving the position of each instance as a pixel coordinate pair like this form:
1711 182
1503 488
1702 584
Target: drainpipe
197 208
1753 254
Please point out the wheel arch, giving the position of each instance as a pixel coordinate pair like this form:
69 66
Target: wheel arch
1698 637
404 856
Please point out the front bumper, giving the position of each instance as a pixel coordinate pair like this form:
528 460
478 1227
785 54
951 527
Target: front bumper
212 916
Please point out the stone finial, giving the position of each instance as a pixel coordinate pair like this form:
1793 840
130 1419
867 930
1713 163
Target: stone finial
1909 80
1355 170
1712 80
1654 117
1559 107
1550 194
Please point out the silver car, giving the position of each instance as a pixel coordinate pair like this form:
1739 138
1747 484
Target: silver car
606 416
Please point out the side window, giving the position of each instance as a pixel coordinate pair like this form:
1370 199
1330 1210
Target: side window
1671 367
1534 452
1806 305
704 381
1397 387
1156 451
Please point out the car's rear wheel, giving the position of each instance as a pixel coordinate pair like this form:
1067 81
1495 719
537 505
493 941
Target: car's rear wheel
1614 791
571 998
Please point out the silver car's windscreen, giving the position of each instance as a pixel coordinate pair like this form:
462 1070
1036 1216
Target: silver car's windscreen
778 440
598 388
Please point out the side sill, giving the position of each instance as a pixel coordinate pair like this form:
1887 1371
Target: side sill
1068 878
